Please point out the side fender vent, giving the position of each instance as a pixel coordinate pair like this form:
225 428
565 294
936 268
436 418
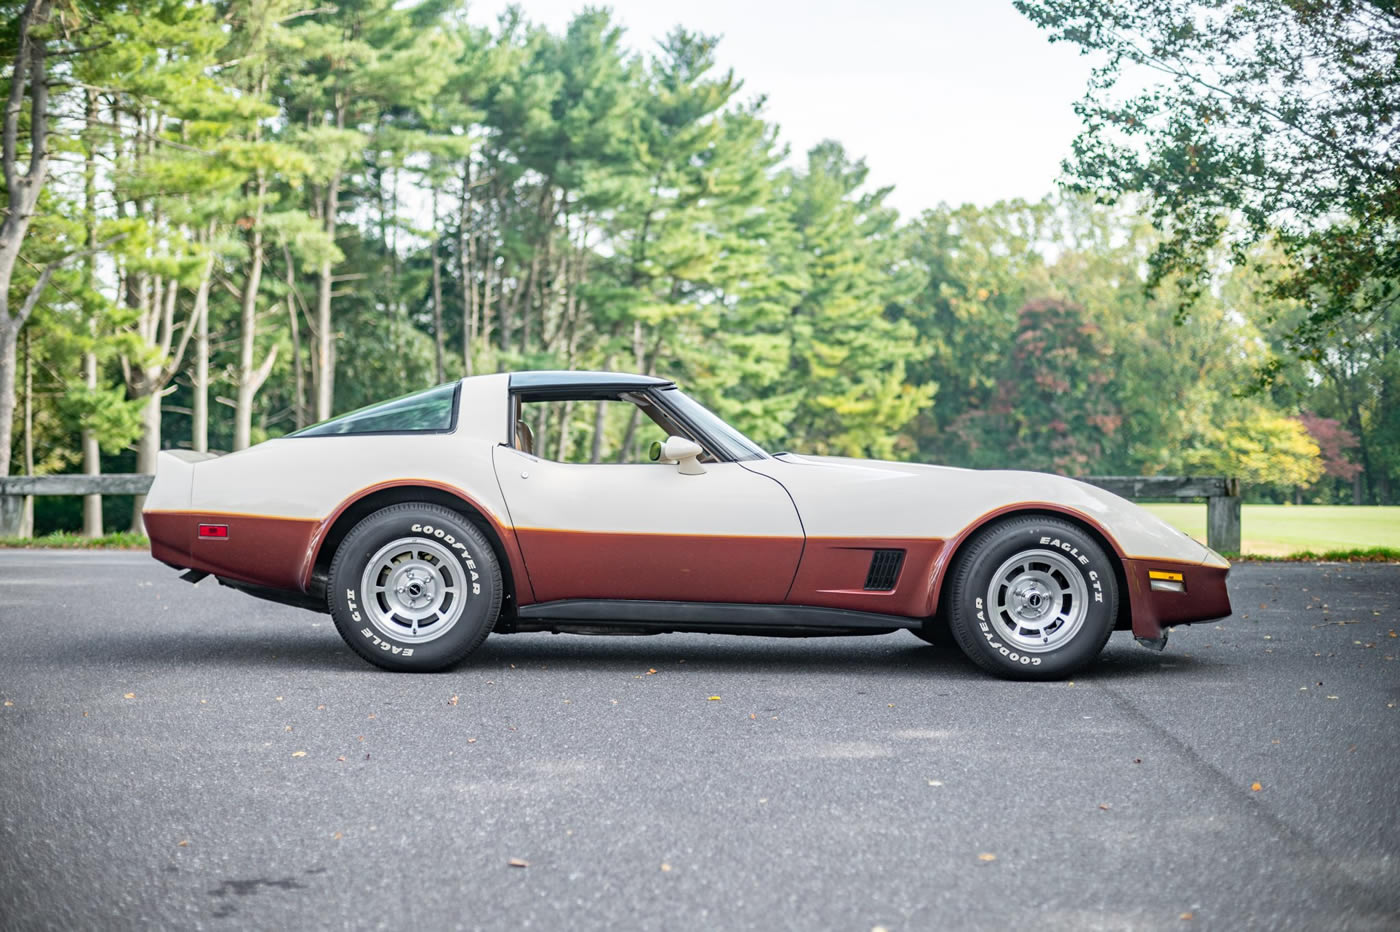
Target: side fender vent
884 570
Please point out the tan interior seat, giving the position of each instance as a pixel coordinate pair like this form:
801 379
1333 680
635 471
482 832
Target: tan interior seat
524 438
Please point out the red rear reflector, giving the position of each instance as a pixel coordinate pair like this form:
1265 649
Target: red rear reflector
213 532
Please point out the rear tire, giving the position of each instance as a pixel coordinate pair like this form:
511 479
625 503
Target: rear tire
1033 598
414 588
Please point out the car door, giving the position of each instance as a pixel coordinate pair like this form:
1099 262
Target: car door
646 531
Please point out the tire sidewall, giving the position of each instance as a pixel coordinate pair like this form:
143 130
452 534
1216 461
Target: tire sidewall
970 615
476 563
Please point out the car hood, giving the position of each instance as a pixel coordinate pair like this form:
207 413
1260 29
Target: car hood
842 496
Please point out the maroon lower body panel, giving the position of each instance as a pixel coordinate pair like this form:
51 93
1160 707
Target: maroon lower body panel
666 567
765 570
834 570
1205 598
264 551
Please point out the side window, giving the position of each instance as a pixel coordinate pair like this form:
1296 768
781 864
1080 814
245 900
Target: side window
431 411
587 431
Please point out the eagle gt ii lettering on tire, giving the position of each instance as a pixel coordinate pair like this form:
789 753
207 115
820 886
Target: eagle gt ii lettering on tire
414 587
1032 598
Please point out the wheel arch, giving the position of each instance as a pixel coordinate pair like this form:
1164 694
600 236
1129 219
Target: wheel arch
367 501
952 552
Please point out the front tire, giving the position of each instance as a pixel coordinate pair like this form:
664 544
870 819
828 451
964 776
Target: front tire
414 588
1033 598
938 632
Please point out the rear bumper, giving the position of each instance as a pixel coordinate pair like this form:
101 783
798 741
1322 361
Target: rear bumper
1204 596
258 550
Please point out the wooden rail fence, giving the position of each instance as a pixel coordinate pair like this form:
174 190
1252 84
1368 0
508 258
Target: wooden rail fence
1222 496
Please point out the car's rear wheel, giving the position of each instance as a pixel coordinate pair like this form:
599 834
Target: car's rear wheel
1033 597
414 587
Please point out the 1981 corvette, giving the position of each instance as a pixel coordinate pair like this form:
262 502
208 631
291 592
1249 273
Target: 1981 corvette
424 523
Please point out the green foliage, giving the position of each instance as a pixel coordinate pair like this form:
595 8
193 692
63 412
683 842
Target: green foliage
1053 409
1246 123
1259 446
515 197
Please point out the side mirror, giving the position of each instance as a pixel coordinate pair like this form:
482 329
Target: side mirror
684 452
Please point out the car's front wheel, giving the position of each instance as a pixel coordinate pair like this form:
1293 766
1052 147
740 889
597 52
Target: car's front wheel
938 632
414 587
1032 598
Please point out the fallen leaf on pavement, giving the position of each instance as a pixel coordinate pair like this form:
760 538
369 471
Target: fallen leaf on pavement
1188 916
665 866
1256 786
298 753
1105 806
518 862
651 671
182 844
452 701
471 741
340 760
714 699
337 836
986 857
129 696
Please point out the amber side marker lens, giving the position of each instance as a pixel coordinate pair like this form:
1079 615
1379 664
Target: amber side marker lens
1166 581
213 532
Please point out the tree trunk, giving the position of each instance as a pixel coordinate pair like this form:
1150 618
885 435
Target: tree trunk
325 371
250 379
199 439
464 259
26 520
92 458
29 73
147 450
9 334
325 364
325 352
437 295
298 370
564 432
92 455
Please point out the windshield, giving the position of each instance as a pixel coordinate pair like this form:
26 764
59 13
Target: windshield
733 445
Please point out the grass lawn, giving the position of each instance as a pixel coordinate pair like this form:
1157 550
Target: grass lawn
1279 530
67 540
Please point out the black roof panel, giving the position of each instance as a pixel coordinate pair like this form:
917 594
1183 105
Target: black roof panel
568 379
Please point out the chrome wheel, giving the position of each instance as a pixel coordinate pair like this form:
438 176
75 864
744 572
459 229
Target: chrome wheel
1037 600
413 590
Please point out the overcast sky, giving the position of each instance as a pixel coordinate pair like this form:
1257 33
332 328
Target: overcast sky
946 100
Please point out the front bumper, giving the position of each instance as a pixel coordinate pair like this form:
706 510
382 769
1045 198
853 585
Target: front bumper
1203 595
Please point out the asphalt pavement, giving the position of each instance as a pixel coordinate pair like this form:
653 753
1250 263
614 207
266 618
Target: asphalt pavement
174 756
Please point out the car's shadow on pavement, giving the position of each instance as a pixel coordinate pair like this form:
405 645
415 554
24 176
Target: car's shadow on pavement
887 655
892 655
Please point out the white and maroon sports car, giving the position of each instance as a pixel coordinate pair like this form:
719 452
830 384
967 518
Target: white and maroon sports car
425 523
